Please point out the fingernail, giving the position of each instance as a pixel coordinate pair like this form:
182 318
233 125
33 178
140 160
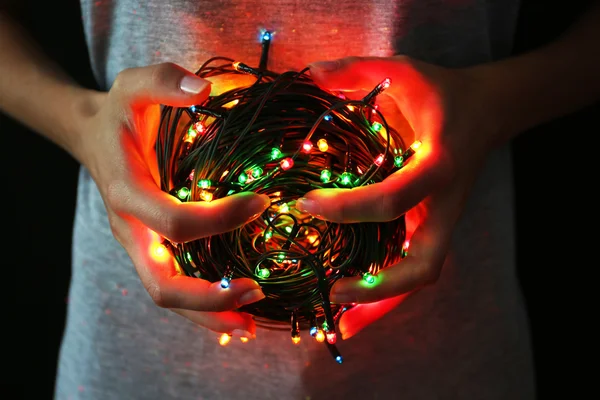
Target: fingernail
308 206
252 296
193 84
243 333
325 66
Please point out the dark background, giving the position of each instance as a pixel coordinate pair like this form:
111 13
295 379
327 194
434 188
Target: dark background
553 167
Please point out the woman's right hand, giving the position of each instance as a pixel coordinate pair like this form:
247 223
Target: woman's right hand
117 147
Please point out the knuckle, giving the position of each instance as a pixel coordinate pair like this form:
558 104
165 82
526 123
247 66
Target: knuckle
163 74
172 226
156 294
117 194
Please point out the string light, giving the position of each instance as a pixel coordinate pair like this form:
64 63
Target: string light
260 138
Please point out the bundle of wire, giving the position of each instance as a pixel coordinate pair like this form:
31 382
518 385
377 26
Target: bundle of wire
282 136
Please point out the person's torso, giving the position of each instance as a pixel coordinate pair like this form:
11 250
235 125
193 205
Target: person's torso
465 337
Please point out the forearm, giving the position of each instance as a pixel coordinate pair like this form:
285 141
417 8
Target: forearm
537 87
36 92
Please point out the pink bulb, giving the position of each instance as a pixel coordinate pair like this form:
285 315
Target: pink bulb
379 160
386 83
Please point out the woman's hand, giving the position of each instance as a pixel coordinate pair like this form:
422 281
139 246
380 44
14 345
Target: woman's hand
117 147
444 111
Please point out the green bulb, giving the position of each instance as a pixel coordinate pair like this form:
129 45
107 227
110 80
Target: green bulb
268 235
369 278
204 183
325 175
398 161
264 273
257 171
183 193
377 126
346 178
243 177
275 153
188 256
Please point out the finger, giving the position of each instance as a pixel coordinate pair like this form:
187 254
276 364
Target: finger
428 248
168 288
362 73
165 83
179 221
361 315
382 201
230 322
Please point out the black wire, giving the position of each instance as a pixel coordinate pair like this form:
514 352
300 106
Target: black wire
304 256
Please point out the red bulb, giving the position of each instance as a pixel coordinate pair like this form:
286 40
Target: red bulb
307 147
386 83
379 160
286 163
331 337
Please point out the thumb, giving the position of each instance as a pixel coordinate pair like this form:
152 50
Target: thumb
165 83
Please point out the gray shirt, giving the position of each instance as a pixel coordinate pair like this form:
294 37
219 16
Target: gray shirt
465 337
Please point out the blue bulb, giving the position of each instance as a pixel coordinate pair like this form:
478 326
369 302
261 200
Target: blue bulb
339 359
224 283
313 331
266 36
327 118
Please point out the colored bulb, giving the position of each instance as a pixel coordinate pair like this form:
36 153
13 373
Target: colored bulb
307 147
225 281
244 339
377 126
416 145
398 161
346 178
286 163
264 273
224 339
331 337
206 195
242 178
268 235
322 145
204 183
328 117
266 36
320 336
256 172
284 208
296 339
379 160
339 359
313 331
183 193
369 278
386 83
325 175
275 153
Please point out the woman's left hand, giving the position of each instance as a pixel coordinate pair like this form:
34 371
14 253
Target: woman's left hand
446 112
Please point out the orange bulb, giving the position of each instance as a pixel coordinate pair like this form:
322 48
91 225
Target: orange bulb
244 339
206 196
296 339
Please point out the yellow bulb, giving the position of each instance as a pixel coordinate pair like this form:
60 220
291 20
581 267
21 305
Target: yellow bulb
351 108
322 145
320 336
284 208
159 252
206 195
244 339
416 145
296 339
224 339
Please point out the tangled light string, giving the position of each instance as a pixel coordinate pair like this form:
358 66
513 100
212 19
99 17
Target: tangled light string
282 136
